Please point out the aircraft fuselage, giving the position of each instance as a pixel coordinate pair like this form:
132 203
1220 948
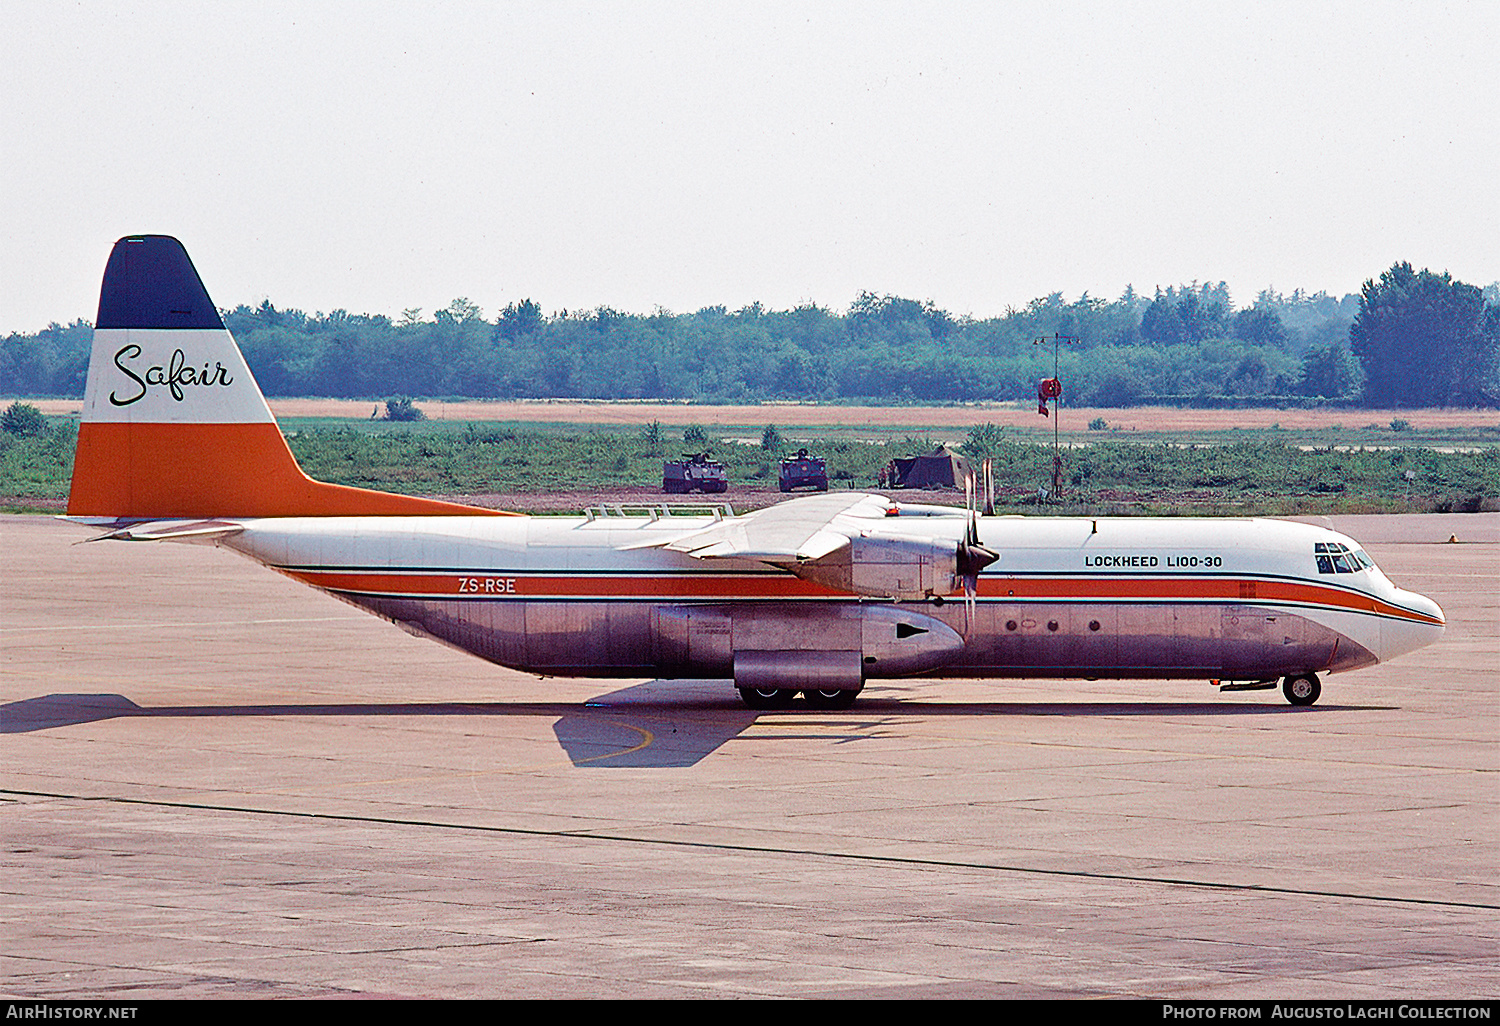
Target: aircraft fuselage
1124 598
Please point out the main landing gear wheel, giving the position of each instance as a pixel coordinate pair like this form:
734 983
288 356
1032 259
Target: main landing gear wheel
768 698
1303 689
841 698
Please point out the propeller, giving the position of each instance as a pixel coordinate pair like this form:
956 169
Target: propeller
972 556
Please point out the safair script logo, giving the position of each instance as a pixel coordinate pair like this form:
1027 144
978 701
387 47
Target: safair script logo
172 377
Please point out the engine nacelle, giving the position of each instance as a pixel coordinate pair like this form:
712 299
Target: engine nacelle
889 567
877 641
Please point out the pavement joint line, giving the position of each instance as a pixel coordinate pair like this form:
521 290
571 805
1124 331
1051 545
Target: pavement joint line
162 626
895 860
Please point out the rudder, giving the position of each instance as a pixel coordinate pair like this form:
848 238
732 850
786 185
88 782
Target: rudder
174 424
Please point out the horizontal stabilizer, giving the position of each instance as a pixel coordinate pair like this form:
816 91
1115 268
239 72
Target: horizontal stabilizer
166 530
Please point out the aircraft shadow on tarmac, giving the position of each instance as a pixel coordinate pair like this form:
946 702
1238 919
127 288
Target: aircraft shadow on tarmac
659 724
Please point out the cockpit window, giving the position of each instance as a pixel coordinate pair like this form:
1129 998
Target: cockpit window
1338 558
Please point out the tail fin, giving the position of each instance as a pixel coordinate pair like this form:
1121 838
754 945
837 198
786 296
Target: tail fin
174 425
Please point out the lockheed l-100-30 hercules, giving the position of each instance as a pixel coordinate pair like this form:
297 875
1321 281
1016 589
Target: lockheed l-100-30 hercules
814 596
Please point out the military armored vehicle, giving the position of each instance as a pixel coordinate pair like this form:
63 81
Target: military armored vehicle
695 472
804 471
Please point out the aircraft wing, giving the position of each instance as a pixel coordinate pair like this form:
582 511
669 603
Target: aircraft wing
847 542
787 534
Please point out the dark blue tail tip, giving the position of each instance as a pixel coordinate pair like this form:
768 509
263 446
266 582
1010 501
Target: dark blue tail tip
149 282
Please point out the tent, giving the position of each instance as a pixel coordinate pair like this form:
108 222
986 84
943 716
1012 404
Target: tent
938 469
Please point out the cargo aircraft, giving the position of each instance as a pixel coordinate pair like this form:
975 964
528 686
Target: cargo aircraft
814 596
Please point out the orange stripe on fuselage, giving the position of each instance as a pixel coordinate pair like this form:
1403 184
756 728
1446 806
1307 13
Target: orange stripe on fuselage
1210 589
728 588
217 470
479 583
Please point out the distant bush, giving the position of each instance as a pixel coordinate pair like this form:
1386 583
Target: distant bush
771 440
23 420
1098 424
402 408
652 436
694 437
983 440
1400 425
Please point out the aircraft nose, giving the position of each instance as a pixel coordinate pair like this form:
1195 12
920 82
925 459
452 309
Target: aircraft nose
1423 625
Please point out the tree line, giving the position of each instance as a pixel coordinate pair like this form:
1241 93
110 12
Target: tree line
1409 338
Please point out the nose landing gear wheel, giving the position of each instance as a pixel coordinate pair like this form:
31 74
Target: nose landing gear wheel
841 698
768 698
1303 689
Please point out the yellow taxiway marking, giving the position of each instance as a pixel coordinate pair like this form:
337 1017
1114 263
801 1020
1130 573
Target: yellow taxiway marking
646 735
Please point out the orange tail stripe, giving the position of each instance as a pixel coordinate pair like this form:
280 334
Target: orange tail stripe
217 470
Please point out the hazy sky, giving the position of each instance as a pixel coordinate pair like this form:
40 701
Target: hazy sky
378 156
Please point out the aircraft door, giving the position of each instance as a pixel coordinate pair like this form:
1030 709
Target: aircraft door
692 640
1147 636
1195 639
1259 641
1094 638
563 637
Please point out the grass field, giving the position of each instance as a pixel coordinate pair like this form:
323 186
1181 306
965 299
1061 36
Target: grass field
1427 460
